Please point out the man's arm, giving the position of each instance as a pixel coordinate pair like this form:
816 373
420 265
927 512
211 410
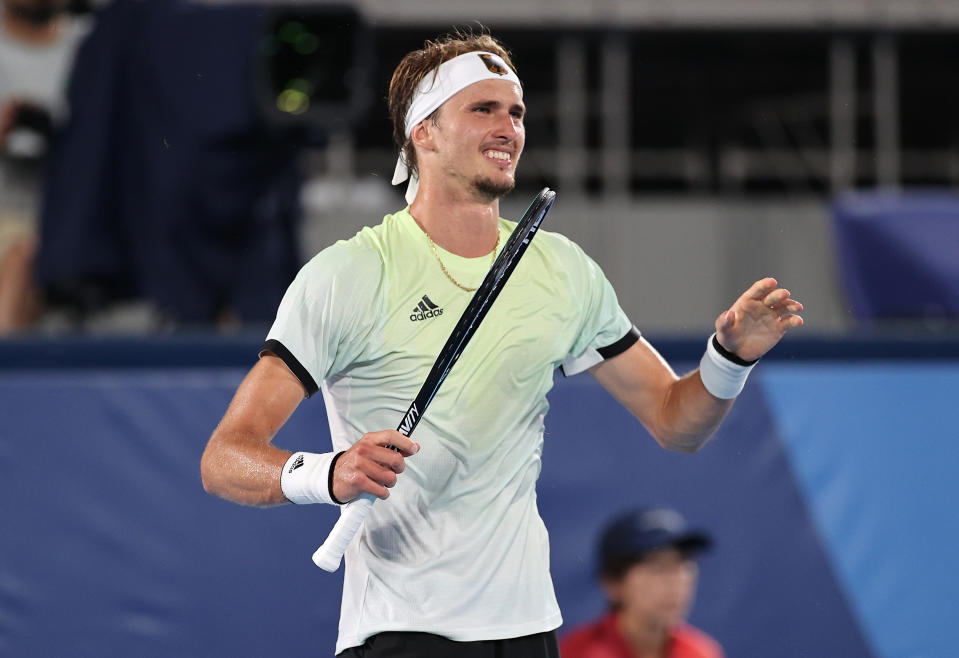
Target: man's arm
241 464
680 412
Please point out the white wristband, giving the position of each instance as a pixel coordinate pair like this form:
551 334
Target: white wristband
721 377
306 478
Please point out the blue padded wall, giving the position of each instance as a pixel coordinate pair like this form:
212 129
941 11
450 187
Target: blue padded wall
829 492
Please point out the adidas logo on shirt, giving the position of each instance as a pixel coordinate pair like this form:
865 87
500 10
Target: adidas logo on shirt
425 310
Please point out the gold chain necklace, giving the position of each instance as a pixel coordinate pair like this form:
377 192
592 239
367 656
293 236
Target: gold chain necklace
447 272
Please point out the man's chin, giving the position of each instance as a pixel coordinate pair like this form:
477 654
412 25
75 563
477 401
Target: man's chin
491 190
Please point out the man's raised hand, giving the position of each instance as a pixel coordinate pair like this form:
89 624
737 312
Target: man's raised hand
758 319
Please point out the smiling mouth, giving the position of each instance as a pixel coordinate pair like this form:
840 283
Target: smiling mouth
502 157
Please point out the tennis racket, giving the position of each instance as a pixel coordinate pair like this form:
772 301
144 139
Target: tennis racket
329 555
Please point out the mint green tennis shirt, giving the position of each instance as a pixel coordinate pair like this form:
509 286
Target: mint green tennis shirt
459 548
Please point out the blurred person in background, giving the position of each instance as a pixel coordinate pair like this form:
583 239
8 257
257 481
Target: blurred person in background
648 572
170 200
38 41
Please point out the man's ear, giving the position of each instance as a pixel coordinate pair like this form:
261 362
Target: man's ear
423 136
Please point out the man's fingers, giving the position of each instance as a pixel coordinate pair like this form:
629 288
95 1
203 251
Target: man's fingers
791 321
371 464
725 320
787 307
380 476
761 288
406 447
392 439
359 483
366 468
380 456
379 480
775 297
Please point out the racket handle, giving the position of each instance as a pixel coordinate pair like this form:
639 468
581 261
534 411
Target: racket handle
329 555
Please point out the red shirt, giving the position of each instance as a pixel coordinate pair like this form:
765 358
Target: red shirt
602 639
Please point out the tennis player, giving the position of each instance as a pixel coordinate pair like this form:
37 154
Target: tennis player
456 560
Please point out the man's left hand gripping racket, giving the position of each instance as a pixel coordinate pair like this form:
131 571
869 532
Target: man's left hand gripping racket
328 555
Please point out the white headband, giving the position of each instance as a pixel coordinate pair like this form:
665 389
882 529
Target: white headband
450 77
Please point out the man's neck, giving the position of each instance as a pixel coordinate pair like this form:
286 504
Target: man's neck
27 32
646 637
458 222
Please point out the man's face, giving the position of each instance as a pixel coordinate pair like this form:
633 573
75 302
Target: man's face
478 138
659 589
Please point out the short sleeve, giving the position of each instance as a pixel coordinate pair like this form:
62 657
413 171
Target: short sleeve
326 315
605 330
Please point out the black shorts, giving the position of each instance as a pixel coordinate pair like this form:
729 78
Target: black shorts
425 645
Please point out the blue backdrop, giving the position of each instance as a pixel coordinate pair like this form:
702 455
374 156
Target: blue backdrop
829 491
898 254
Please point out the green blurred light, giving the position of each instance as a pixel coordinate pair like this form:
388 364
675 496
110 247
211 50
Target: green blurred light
290 30
301 85
306 43
293 101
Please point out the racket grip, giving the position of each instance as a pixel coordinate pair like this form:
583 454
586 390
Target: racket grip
329 555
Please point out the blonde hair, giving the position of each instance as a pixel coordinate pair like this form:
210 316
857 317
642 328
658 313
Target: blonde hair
418 64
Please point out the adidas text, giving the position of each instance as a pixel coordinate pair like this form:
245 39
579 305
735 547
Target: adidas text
421 315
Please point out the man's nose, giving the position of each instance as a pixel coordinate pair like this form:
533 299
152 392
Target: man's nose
506 126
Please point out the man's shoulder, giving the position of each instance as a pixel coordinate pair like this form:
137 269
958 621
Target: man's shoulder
343 255
367 247
359 257
560 254
550 244
555 240
690 642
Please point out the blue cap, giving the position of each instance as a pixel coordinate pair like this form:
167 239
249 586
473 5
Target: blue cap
630 536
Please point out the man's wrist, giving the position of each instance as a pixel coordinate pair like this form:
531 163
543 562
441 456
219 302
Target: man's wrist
731 356
308 478
722 372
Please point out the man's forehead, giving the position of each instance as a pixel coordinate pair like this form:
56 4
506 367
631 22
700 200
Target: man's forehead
503 91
